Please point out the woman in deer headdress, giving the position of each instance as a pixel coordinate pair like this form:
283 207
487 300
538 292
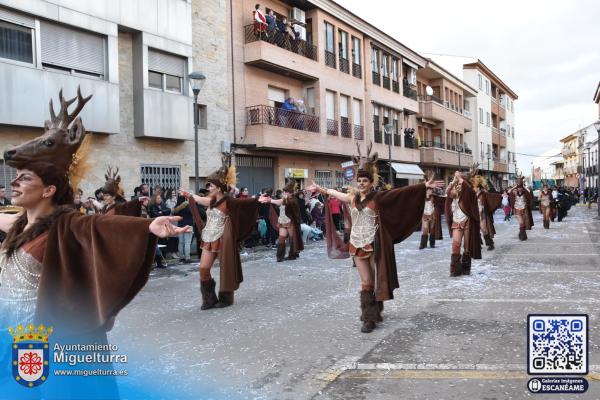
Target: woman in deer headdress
487 204
288 222
546 204
58 267
114 202
520 201
431 222
229 221
378 220
462 215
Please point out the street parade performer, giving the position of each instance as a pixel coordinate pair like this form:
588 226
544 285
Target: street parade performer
431 222
114 200
60 268
546 204
288 222
487 203
462 215
520 201
229 221
379 220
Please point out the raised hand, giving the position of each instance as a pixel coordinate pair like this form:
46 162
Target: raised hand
184 193
163 227
433 184
313 187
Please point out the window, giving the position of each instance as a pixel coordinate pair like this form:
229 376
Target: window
339 179
513 131
330 104
487 118
276 96
343 45
511 106
329 37
324 178
384 64
310 100
356 50
72 50
309 32
16 42
480 81
166 71
375 60
487 87
481 149
356 112
165 176
480 115
344 101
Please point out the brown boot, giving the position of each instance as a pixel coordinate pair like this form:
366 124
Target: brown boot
524 234
423 242
379 316
370 311
489 242
521 233
432 241
225 299
466 264
291 254
455 265
209 298
280 250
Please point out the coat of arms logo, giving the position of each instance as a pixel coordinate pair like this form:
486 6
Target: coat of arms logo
30 354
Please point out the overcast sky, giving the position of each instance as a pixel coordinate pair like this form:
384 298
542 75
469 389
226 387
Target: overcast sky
548 52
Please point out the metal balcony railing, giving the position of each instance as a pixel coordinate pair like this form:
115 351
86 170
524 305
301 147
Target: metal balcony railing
409 92
253 33
386 82
344 65
377 136
376 78
438 145
359 132
330 59
395 86
356 70
397 140
267 115
346 129
332 127
410 142
431 98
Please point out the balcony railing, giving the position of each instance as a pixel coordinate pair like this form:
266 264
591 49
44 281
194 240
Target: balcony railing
503 131
386 82
377 135
410 142
253 33
346 129
376 78
495 130
344 65
332 127
409 92
359 132
395 86
266 115
467 114
438 145
329 59
431 98
397 140
356 70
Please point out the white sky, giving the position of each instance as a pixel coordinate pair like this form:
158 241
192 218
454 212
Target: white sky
548 52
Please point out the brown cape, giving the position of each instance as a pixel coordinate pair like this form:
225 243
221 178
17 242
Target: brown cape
512 198
400 211
468 204
438 204
93 266
131 208
491 202
292 211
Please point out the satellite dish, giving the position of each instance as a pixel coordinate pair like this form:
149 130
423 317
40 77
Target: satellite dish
429 90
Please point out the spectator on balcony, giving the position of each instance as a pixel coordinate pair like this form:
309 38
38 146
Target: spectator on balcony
260 21
286 115
271 23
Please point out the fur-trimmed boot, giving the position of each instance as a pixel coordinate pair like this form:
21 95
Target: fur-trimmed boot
291 254
466 264
521 233
225 299
524 234
280 250
432 241
370 311
209 297
455 265
423 242
489 242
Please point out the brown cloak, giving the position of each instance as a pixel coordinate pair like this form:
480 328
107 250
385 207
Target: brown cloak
292 211
400 211
93 266
491 202
438 204
512 198
468 204
131 208
243 214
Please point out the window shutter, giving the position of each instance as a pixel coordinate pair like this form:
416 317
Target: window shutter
166 63
19 19
277 95
72 48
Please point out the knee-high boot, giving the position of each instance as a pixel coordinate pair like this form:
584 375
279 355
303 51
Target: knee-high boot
370 311
455 265
466 264
225 299
423 243
489 242
280 249
209 297
431 241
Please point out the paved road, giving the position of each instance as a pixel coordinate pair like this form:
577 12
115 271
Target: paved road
294 331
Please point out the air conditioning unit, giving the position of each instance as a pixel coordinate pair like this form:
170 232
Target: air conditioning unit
297 15
301 31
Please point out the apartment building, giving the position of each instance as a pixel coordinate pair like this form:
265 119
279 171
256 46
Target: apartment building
587 165
134 57
303 102
444 121
570 152
597 98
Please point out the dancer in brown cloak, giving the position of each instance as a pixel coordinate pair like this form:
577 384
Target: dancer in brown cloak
462 215
520 201
431 222
114 202
288 222
487 203
228 222
379 220
58 267
546 205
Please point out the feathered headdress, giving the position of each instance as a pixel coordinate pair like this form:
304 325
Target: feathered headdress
367 165
225 177
112 185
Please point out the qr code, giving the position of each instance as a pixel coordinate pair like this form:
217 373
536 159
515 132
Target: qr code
557 344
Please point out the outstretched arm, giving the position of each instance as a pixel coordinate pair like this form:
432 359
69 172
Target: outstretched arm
7 221
163 227
203 201
346 198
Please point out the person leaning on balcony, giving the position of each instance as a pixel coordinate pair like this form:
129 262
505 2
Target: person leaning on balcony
260 21
271 23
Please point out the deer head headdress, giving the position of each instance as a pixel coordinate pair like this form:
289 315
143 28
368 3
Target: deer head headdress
476 179
112 185
59 144
225 177
290 186
367 164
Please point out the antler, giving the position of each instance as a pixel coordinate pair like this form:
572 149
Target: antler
369 147
474 168
358 148
64 119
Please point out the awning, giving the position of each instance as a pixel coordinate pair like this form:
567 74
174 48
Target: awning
408 171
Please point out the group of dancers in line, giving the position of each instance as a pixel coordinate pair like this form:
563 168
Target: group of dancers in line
77 272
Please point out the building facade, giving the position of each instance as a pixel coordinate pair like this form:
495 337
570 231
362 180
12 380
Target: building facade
587 166
303 101
134 57
570 152
444 121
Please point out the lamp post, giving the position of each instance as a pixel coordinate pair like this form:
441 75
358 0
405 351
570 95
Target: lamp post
597 126
459 149
388 134
197 80
488 168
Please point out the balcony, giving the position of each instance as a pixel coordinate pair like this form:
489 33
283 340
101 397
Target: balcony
346 129
330 59
434 153
266 115
359 132
376 78
409 91
377 136
386 82
344 65
501 165
332 127
280 54
433 108
357 70
397 140
396 86
410 142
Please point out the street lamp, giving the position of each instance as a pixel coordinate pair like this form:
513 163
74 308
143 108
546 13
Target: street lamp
597 126
197 80
388 134
488 168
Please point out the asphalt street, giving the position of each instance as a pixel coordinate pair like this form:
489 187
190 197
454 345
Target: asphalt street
294 330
